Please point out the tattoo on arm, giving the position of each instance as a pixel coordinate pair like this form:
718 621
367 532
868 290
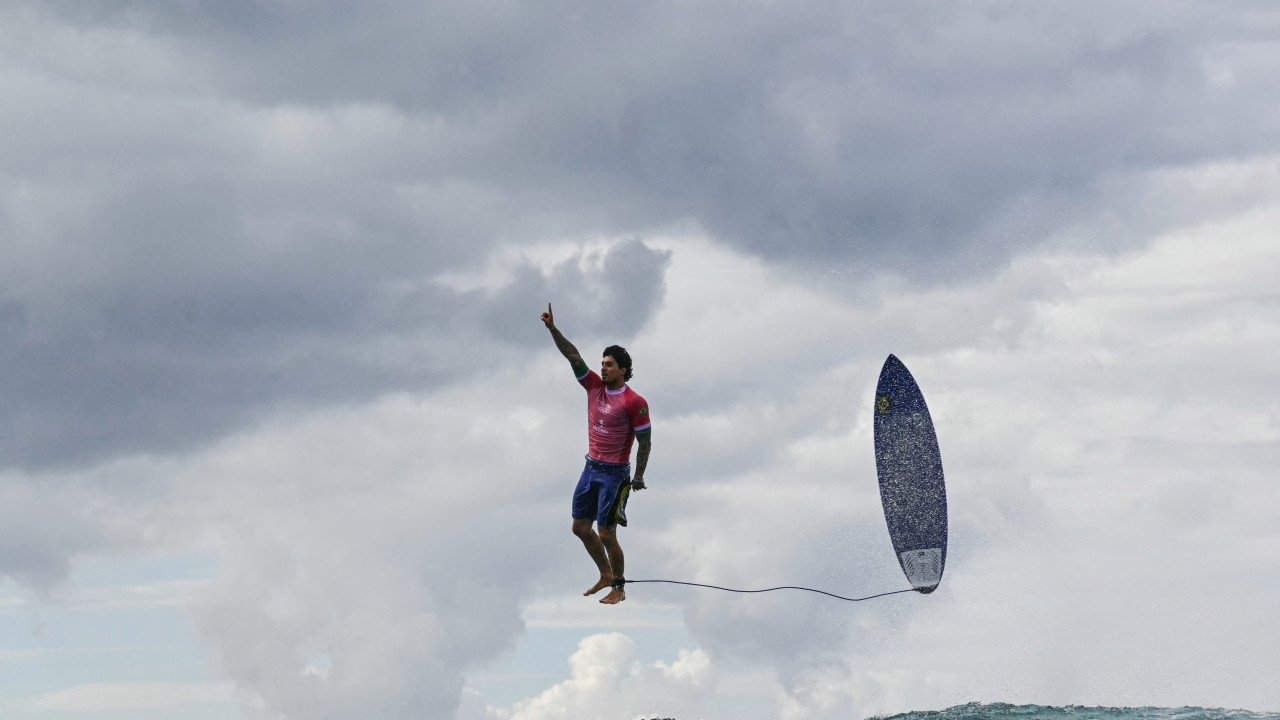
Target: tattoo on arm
642 455
566 348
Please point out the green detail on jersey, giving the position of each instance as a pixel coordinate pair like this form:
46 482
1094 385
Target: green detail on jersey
645 431
580 369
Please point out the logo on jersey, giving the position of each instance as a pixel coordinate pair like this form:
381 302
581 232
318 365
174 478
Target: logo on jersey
644 411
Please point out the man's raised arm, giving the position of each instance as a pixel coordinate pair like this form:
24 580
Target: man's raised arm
566 348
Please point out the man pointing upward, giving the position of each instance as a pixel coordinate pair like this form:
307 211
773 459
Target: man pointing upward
616 417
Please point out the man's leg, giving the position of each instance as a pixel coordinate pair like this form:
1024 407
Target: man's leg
596 549
609 539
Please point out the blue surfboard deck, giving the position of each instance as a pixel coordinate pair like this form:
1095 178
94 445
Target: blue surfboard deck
909 466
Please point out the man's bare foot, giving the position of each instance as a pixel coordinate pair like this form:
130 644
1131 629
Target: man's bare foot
603 583
614 597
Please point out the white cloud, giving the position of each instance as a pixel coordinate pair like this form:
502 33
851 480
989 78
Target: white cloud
605 685
343 538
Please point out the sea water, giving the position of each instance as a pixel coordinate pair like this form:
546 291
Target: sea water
1004 711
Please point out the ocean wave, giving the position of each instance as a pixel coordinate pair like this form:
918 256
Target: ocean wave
1006 711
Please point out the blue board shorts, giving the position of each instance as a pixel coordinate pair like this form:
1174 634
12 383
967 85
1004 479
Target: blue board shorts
602 493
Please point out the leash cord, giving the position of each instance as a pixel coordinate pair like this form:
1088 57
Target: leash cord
782 587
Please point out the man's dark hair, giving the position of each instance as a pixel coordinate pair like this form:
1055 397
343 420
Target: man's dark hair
620 356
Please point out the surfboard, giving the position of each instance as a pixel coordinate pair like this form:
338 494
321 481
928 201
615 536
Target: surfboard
909 466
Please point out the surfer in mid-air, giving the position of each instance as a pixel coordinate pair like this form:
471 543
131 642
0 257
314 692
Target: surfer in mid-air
617 417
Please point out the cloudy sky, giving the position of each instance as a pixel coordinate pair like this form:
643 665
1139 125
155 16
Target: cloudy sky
281 436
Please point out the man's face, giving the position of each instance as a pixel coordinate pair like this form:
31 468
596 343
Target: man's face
610 373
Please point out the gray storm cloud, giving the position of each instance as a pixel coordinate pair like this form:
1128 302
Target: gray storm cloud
912 135
184 346
208 223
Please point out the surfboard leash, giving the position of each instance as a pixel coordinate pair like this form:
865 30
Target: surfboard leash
781 587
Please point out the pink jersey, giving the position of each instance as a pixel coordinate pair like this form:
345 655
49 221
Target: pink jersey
613 419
